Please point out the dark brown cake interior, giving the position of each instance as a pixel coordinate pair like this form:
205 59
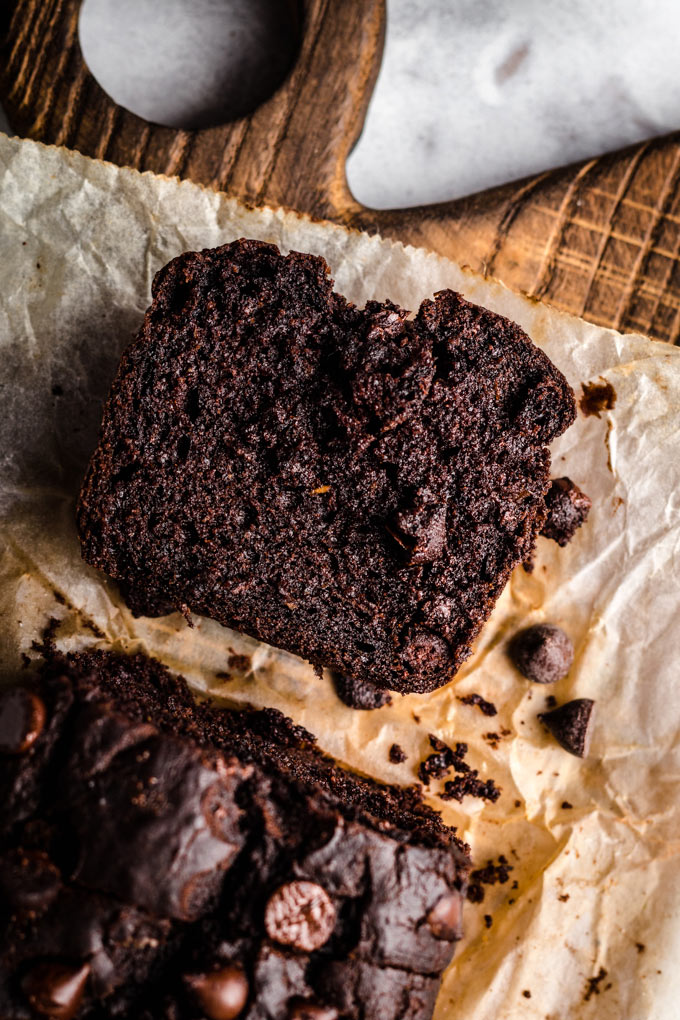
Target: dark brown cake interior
349 484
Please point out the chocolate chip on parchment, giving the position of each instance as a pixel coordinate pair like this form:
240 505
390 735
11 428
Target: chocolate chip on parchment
221 994
444 919
22 719
301 915
542 653
55 989
570 725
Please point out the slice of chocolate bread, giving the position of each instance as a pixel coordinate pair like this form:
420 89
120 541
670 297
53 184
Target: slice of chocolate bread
162 859
348 484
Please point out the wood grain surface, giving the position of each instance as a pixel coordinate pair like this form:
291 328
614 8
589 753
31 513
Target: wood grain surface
601 239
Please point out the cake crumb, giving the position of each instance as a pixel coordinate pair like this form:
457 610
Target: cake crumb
486 707
239 663
491 874
597 397
593 984
397 754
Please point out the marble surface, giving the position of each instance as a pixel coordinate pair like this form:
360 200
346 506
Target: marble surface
474 93
471 93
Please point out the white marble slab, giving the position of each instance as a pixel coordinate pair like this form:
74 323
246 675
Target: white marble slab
474 93
471 93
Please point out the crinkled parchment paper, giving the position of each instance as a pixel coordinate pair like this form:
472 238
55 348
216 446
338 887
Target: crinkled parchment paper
598 883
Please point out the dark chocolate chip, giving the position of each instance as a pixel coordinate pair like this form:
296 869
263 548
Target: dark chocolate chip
426 650
55 989
29 881
570 725
542 653
359 694
419 533
300 914
221 994
444 918
305 1009
22 719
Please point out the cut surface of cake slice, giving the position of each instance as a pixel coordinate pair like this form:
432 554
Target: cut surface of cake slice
351 485
166 859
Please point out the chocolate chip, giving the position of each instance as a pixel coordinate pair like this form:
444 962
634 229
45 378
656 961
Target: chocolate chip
425 650
29 881
359 694
444 918
300 914
568 508
55 989
22 719
542 653
221 994
305 1009
570 725
419 533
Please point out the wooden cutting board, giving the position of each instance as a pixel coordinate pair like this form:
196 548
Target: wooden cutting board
601 239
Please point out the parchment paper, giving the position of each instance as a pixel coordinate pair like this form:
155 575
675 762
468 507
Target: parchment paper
598 883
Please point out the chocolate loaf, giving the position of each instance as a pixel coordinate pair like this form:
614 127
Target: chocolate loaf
349 484
163 859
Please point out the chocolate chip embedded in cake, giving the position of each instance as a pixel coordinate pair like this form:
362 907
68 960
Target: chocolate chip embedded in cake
350 484
159 858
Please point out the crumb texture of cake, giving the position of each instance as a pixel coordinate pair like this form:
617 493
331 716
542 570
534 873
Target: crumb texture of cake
352 485
169 860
